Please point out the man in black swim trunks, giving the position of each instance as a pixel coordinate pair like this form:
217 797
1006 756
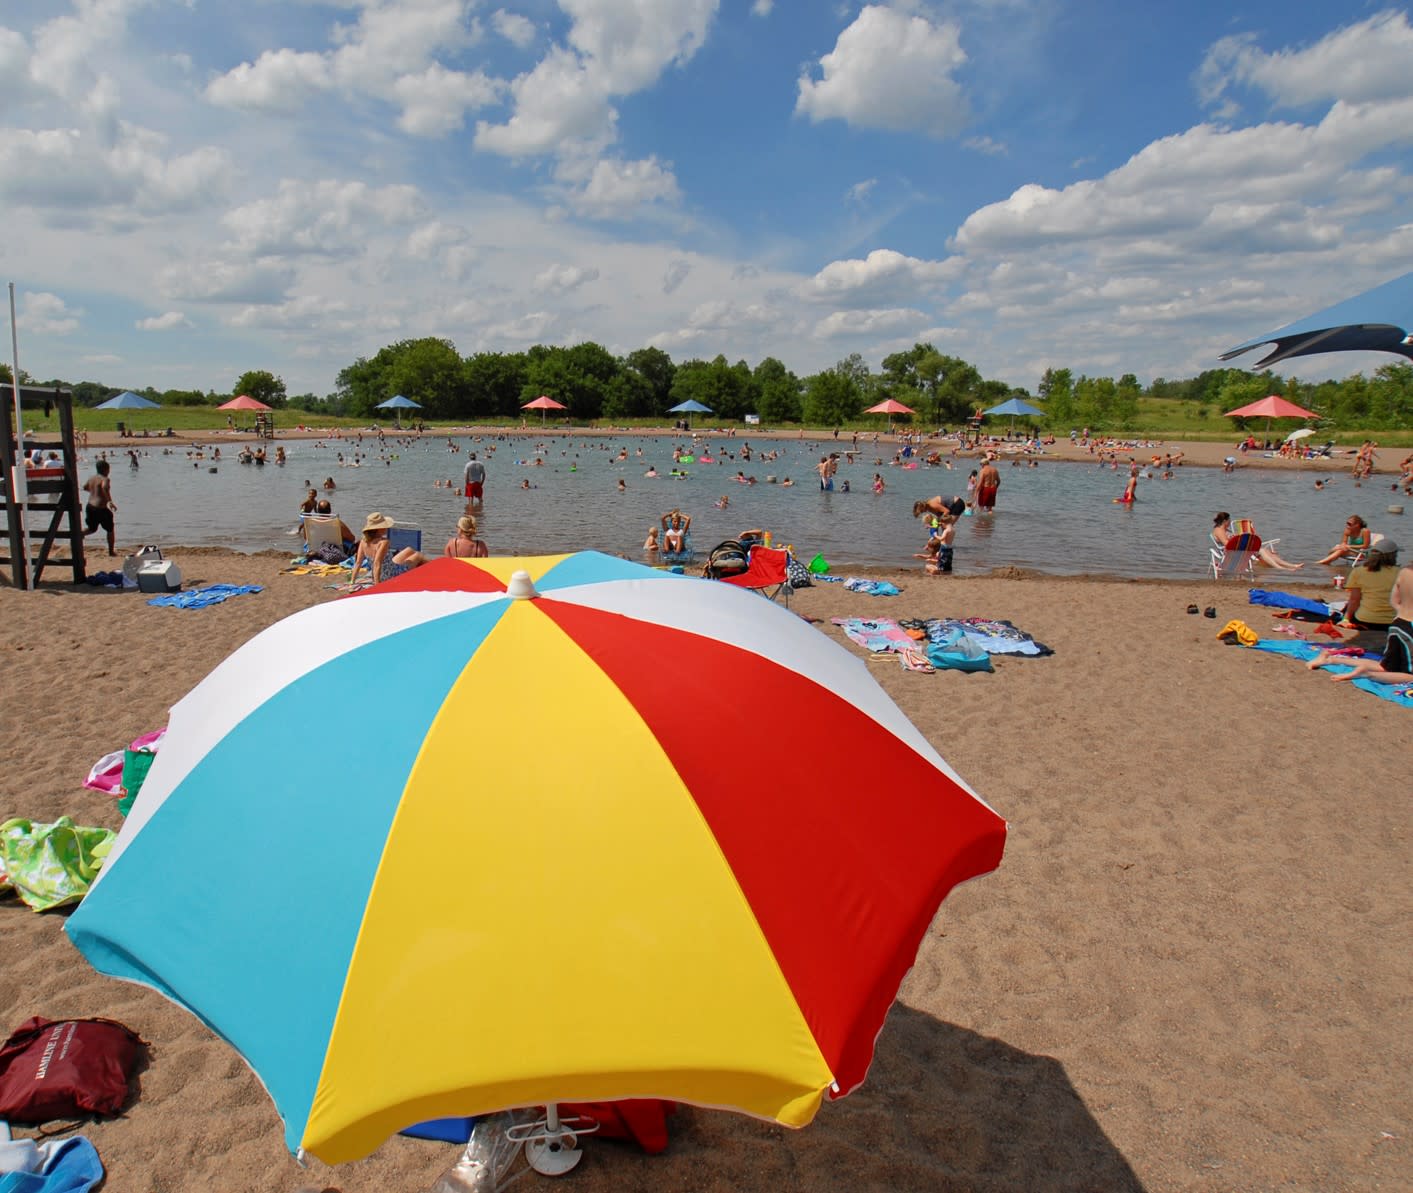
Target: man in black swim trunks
100 508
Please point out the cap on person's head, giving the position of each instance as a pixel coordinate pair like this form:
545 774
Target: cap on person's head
1384 546
377 521
466 524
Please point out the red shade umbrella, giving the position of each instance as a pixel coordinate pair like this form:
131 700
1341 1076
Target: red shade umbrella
889 406
543 403
244 402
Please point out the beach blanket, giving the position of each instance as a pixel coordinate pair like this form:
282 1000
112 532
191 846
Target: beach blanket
1286 600
872 587
200 598
994 637
106 775
50 865
1306 651
316 567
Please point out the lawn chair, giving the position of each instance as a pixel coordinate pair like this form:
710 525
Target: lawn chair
767 572
320 531
682 556
1238 557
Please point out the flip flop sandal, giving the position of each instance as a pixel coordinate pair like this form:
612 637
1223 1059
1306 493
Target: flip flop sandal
1192 609
1209 611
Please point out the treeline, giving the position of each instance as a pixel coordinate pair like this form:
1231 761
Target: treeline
593 384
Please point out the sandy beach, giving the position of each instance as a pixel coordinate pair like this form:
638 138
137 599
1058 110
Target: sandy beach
1191 972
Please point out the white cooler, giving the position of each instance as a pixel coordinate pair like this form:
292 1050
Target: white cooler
161 575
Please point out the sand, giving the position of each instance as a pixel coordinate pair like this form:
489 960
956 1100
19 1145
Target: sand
1192 970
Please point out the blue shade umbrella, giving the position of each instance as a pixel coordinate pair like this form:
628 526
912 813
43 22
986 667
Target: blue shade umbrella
1379 320
398 402
127 400
1013 407
690 406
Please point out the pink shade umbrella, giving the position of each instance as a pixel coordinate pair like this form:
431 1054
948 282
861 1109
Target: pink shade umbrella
890 407
543 403
1273 406
244 402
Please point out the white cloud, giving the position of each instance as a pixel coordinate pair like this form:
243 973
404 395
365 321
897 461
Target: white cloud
169 321
518 30
43 314
860 191
883 274
102 358
615 48
868 323
391 53
617 188
987 145
1371 60
561 279
890 70
762 8
226 281
327 217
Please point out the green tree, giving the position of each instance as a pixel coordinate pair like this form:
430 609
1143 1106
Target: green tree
262 385
655 368
1126 400
494 382
779 391
832 398
1056 390
426 370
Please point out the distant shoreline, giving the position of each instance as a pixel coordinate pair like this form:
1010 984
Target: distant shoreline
1196 453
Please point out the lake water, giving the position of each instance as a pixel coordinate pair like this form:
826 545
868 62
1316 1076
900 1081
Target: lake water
1057 518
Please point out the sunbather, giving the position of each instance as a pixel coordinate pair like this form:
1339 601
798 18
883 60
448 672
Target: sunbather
373 550
1353 541
1221 533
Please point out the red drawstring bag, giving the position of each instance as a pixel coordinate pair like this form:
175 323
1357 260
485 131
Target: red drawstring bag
638 1120
66 1068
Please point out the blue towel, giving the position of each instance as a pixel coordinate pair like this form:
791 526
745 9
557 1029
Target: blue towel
872 587
1307 650
70 1166
1286 600
199 598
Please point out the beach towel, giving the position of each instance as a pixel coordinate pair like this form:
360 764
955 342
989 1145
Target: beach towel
994 637
200 598
875 634
106 775
51 865
1306 651
872 587
49 1166
1286 600
956 651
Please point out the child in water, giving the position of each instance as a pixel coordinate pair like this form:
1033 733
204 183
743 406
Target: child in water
650 543
878 485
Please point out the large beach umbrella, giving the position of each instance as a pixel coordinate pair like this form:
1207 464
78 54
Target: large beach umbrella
1379 320
1302 433
127 400
244 402
689 407
1271 407
544 403
447 931
890 407
399 402
1014 407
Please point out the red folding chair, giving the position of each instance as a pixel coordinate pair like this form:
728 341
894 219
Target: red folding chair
766 572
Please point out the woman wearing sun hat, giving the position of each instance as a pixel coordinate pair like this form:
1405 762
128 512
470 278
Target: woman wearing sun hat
373 550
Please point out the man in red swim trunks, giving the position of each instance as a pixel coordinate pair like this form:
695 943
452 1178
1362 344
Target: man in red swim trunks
475 481
987 482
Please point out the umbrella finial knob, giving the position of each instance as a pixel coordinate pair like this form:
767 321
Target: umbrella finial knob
521 587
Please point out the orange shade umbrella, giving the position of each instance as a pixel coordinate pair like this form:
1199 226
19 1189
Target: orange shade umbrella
244 402
543 403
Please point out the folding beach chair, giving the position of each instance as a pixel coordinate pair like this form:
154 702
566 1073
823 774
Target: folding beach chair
321 530
1238 557
767 572
682 556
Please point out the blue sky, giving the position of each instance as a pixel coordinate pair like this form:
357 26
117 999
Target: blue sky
192 189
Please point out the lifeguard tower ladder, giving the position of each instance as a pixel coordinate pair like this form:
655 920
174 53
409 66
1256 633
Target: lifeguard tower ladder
51 506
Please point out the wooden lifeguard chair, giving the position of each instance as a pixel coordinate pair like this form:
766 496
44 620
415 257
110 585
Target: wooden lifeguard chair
51 507
264 424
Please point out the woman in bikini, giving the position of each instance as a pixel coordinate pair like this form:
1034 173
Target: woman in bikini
464 544
1354 540
1221 533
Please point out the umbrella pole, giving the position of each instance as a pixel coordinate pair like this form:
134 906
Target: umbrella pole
552 1143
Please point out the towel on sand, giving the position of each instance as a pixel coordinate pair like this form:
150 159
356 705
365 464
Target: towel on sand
199 598
1306 651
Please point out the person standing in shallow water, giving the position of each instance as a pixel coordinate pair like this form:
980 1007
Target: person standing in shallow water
988 481
100 508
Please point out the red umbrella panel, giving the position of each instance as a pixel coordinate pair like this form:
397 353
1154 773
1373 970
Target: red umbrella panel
244 402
